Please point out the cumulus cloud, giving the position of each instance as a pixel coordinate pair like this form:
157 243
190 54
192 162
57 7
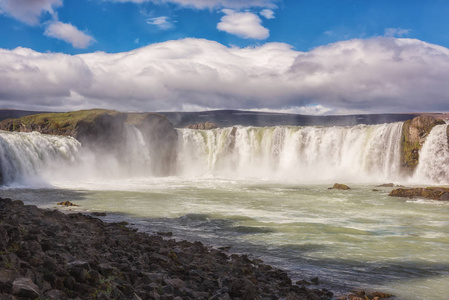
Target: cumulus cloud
213 4
69 34
374 75
267 13
163 22
29 11
243 24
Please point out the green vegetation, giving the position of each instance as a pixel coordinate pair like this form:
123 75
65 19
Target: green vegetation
65 120
54 123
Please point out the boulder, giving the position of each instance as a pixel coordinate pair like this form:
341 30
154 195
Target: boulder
203 126
24 287
340 186
434 193
414 134
66 203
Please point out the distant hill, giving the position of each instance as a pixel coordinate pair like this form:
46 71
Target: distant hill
226 118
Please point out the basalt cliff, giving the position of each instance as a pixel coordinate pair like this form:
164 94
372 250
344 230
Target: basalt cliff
414 134
104 131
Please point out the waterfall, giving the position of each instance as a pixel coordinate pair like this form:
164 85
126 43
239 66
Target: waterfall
305 154
359 154
24 156
136 157
433 164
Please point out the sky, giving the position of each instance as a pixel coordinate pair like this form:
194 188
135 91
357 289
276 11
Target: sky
295 56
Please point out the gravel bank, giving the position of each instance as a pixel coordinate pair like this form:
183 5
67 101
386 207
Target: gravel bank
46 254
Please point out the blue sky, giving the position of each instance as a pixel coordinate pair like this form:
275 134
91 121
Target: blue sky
290 41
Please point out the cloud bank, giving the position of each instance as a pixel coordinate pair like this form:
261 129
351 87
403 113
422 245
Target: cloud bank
373 75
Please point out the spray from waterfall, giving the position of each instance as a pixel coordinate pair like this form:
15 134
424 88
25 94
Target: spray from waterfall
352 154
25 156
433 164
303 154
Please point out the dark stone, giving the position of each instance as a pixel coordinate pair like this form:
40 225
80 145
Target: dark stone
99 214
88 259
203 126
434 193
24 287
340 186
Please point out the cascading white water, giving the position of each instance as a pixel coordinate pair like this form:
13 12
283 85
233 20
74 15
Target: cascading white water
137 157
24 155
301 153
433 164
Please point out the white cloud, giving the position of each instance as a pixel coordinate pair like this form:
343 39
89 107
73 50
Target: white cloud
267 13
373 75
213 4
29 11
396 32
69 34
163 22
243 24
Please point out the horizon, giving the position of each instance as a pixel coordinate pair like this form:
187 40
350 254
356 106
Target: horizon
321 58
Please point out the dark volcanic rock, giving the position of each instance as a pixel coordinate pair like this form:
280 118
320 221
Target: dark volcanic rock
203 126
66 203
434 193
340 186
414 134
48 254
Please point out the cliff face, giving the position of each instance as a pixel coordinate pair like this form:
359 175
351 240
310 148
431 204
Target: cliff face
414 134
104 131
163 140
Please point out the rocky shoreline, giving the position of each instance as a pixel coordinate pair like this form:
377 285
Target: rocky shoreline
46 254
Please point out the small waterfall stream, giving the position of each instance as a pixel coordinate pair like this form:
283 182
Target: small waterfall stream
433 164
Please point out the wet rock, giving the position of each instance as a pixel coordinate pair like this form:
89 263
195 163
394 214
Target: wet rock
165 233
203 126
66 203
340 186
434 193
386 185
99 214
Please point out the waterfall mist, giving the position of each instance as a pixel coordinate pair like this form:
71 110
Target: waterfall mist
306 154
312 154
